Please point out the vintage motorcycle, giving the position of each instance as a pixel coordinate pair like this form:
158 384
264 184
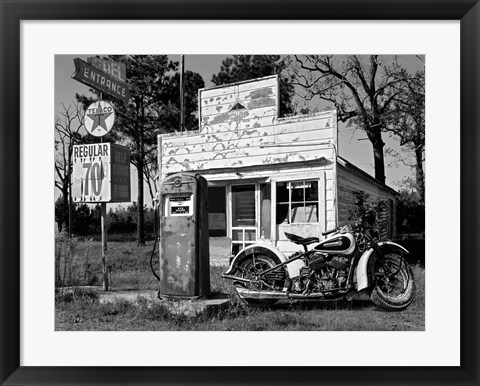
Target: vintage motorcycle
350 259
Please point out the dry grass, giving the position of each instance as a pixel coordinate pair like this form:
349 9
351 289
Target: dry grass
81 264
131 270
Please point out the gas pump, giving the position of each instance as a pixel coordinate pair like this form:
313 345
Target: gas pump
184 243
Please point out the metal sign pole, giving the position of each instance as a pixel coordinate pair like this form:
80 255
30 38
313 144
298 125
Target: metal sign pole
106 281
103 223
182 93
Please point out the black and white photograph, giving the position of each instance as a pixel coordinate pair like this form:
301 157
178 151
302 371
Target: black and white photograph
239 192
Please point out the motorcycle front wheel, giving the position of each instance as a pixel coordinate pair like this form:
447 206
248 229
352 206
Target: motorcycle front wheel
394 283
251 268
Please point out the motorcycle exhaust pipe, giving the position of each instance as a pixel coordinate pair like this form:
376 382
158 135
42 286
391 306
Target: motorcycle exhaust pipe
247 293
311 296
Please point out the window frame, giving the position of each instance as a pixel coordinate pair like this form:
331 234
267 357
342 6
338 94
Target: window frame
289 189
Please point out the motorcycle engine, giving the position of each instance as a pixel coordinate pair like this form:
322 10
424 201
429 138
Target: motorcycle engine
319 260
339 262
323 273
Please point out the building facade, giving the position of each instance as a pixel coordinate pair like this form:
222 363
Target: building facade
266 174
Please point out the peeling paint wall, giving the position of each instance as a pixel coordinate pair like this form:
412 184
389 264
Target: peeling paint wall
239 106
239 127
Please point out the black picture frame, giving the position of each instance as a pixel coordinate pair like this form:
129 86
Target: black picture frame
12 12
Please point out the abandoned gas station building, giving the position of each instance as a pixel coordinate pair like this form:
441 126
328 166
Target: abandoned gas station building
266 174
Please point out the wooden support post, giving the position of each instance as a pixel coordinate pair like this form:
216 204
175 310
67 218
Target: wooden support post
273 212
106 281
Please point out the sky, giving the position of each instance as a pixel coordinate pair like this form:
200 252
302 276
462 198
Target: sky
352 144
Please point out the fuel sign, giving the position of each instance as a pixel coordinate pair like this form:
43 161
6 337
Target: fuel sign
99 118
179 205
101 173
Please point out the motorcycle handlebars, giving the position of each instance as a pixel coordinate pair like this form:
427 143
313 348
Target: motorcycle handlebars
355 224
330 231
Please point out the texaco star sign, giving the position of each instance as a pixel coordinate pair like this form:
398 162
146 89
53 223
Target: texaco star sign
99 118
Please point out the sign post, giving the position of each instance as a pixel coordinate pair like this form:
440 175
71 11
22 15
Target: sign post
101 171
101 174
106 281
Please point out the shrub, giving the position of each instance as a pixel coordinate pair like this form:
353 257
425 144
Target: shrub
410 213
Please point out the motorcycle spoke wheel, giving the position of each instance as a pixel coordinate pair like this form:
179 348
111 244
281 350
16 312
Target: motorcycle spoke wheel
392 280
394 283
251 269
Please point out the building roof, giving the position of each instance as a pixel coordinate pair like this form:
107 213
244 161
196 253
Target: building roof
347 164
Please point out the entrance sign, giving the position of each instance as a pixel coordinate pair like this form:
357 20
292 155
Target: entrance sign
115 69
101 173
99 118
99 80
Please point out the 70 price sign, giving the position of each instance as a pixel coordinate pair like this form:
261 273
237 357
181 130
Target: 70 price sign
93 175
91 172
101 173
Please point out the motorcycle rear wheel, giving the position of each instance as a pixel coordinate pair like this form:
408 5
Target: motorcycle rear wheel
394 283
250 268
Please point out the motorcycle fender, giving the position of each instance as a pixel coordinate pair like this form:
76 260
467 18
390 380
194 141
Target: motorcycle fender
362 266
275 254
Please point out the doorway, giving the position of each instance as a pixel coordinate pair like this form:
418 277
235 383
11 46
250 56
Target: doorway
244 227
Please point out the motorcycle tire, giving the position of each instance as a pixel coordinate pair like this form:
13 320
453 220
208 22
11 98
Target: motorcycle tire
246 269
396 275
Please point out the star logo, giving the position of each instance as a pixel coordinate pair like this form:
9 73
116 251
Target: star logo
99 121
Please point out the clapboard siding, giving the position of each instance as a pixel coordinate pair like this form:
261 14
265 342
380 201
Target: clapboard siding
297 171
238 159
303 140
223 140
209 95
229 112
227 118
349 180
301 124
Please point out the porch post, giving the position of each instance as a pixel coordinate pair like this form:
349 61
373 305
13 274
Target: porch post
273 195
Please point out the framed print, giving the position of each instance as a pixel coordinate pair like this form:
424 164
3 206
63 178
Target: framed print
213 214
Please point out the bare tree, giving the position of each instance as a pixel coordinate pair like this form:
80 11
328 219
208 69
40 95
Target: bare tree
360 88
407 122
151 174
68 123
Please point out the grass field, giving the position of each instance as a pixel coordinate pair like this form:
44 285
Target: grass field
131 270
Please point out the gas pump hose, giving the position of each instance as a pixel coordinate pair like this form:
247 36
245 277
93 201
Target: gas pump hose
155 245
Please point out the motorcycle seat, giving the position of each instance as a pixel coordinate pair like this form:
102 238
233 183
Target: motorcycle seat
301 240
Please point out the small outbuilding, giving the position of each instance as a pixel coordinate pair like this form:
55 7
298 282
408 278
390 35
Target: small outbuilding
268 174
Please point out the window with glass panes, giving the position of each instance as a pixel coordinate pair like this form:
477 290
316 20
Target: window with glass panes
297 202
